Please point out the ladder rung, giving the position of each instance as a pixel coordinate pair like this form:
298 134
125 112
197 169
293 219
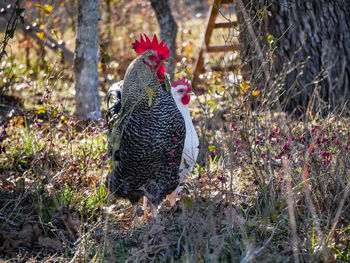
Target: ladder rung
214 10
231 47
226 24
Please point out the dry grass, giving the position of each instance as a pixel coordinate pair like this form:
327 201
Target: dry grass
267 187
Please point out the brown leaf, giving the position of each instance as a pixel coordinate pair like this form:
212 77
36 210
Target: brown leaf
49 243
9 245
73 224
36 231
29 4
26 235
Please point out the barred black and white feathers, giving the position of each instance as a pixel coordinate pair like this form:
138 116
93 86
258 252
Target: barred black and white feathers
148 136
114 99
114 104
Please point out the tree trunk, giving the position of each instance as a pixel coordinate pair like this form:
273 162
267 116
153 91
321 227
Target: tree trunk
168 30
307 46
86 61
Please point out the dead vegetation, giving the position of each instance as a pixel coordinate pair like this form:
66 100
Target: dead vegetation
268 187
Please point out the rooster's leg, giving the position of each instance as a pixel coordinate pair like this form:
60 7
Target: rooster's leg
145 203
144 208
137 213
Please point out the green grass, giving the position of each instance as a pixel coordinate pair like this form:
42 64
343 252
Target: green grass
258 172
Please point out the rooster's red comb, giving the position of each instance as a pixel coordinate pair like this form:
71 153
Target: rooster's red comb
146 44
183 82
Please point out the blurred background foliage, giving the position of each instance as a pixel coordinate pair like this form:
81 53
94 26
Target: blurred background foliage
268 187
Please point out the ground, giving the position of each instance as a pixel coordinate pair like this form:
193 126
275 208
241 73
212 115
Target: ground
268 187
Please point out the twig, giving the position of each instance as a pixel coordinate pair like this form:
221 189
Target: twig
59 233
8 221
10 27
179 243
339 210
32 31
250 256
254 39
49 42
291 205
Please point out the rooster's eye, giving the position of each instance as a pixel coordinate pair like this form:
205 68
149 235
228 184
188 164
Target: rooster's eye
181 90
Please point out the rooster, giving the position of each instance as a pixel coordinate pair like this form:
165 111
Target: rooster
148 132
181 90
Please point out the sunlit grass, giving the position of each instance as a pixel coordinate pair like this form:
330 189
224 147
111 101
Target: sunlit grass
254 164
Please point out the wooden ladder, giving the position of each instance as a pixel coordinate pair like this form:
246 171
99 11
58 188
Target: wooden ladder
206 47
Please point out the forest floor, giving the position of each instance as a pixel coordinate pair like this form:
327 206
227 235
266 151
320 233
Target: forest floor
268 187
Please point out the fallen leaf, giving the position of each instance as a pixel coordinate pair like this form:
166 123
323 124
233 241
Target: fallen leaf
72 224
271 40
221 90
41 35
57 19
42 109
49 243
9 245
211 147
26 235
244 87
255 93
46 8
187 48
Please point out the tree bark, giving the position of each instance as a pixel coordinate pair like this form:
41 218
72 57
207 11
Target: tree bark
309 56
86 61
168 30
